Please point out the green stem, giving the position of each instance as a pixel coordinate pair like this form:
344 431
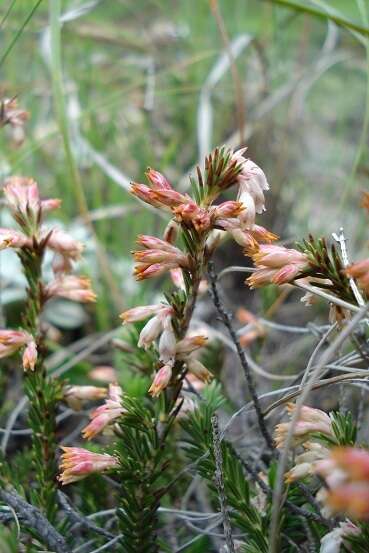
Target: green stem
41 391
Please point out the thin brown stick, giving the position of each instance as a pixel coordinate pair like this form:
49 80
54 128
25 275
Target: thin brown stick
241 354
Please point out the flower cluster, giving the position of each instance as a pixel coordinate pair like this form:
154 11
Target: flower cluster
77 463
311 421
28 209
346 472
105 414
12 341
169 348
276 265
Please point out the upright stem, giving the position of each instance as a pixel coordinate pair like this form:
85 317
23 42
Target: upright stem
241 354
41 391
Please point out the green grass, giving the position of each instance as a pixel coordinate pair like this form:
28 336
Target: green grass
308 158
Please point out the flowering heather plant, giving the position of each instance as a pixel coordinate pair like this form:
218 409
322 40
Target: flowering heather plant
157 446
43 392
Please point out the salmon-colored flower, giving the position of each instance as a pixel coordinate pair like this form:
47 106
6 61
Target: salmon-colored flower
352 499
157 180
105 414
13 340
276 265
10 238
30 356
225 210
157 257
191 215
23 198
190 344
72 287
198 369
77 463
62 243
165 198
249 238
310 421
141 312
161 380
346 472
306 463
75 395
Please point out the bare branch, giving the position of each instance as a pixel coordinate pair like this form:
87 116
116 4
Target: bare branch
35 520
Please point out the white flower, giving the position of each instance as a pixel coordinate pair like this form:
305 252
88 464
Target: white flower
331 542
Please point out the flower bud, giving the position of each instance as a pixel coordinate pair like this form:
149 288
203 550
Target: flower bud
75 395
77 463
62 243
161 380
30 356
199 370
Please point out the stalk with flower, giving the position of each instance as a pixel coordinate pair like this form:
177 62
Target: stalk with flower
30 243
183 252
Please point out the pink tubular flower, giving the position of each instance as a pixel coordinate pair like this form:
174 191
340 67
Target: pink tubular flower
10 238
276 257
352 499
190 344
191 215
105 414
166 198
157 259
252 184
167 343
75 395
157 180
77 463
227 210
62 243
249 238
277 265
306 463
30 356
141 313
310 421
354 461
199 370
346 472
161 380
12 340
22 196
72 287
50 204
154 327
